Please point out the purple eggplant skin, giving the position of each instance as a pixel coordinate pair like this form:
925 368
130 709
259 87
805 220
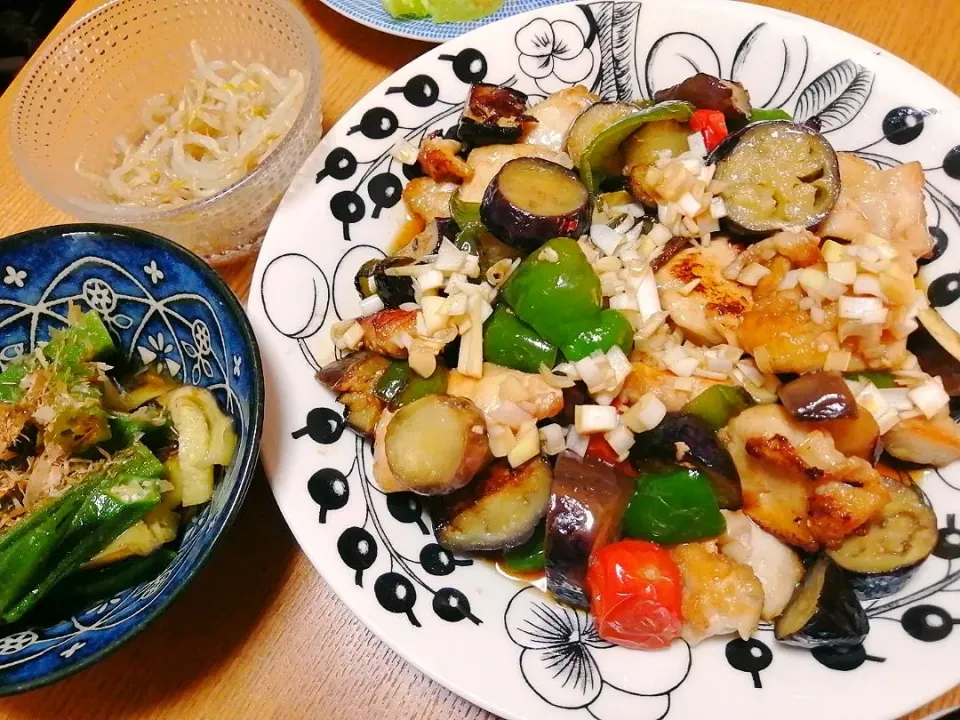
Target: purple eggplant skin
492 115
708 92
703 450
353 378
498 510
879 558
525 229
823 612
818 396
587 503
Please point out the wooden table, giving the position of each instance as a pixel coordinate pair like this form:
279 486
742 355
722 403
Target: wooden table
259 634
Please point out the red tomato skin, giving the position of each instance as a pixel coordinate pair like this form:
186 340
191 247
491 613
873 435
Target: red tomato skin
635 591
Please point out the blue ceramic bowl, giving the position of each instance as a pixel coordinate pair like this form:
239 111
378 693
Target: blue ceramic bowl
165 307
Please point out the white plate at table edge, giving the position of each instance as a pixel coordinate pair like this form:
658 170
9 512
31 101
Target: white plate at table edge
298 268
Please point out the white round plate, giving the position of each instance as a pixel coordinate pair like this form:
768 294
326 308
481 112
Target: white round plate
504 646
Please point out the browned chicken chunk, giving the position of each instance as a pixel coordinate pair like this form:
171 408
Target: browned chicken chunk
796 485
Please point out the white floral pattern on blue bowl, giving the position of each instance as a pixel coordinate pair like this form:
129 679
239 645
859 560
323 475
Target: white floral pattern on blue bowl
165 308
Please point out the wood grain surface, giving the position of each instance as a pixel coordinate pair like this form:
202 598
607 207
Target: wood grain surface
259 634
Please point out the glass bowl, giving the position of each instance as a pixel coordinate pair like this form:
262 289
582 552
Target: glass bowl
88 87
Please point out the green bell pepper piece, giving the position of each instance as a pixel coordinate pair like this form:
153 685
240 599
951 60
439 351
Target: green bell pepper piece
419 387
464 213
557 299
764 114
609 328
469 238
718 404
607 142
393 380
673 507
86 340
510 342
399 385
880 378
86 587
528 557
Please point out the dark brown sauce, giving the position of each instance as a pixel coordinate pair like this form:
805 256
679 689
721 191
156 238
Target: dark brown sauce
537 578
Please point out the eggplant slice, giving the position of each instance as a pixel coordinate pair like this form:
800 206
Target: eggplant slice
394 290
497 511
818 396
587 504
354 378
436 444
823 612
880 561
532 200
777 174
708 92
492 114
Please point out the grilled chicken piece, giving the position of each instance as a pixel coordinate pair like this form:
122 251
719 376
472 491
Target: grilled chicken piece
934 441
645 378
382 331
786 335
506 396
486 162
428 198
720 596
796 485
439 160
776 566
888 203
710 313
555 115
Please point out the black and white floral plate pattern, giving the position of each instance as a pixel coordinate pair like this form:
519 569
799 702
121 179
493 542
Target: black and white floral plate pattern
504 646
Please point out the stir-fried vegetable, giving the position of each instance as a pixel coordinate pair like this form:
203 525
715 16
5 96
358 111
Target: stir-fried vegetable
86 491
777 175
529 557
823 612
510 342
555 291
605 144
532 200
624 369
700 447
673 507
635 595
718 404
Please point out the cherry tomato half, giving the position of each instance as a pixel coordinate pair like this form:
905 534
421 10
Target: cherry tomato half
635 594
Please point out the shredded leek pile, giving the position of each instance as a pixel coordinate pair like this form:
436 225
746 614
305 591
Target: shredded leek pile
227 119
